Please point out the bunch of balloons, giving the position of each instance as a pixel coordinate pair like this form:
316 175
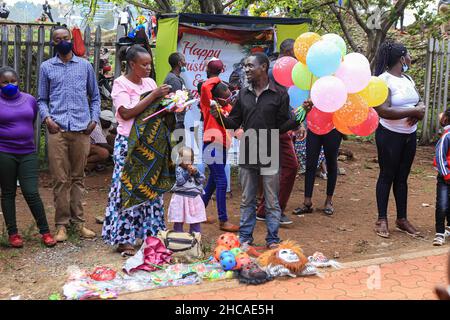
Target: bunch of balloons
340 85
229 254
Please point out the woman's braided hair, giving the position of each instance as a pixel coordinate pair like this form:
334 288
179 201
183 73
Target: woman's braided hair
388 55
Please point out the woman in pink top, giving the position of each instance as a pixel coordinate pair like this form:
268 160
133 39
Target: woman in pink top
123 227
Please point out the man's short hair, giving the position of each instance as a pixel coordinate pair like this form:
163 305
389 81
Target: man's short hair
61 27
287 45
174 59
262 58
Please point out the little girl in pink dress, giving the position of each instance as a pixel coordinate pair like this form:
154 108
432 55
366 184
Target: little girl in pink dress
186 205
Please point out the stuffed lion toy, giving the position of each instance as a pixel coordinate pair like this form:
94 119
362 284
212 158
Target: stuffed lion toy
287 259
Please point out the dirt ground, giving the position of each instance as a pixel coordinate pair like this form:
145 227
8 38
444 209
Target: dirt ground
35 272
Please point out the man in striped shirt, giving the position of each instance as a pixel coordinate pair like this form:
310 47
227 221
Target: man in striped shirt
69 104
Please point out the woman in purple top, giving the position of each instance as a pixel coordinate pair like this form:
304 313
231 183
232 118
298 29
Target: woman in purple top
18 159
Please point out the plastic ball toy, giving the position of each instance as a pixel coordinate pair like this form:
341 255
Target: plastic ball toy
229 240
227 262
242 262
235 251
218 250
225 253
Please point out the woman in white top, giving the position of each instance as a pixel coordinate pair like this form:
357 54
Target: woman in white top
396 135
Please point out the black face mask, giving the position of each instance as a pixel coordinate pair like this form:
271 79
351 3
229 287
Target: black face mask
64 47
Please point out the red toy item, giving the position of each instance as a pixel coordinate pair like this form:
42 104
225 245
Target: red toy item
103 274
218 250
242 260
229 240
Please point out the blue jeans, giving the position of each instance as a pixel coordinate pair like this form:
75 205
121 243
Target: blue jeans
249 183
217 180
442 205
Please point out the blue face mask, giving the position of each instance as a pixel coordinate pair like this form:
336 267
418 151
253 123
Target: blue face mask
183 69
10 90
405 67
64 47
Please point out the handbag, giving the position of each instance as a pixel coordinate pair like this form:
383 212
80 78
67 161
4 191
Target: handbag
185 246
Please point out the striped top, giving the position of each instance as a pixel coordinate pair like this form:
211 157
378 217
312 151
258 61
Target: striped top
68 93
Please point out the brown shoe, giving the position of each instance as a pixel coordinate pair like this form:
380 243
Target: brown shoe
84 232
403 225
210 220
381 228
229 227
61 234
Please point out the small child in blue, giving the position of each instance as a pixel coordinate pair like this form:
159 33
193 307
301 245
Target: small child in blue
442 165
186 205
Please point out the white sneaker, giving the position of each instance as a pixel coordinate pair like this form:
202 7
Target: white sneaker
439 239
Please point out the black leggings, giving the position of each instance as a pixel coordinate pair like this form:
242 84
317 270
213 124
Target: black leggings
330 142
396 153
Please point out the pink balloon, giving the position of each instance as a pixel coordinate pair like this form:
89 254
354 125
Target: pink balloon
354 71
319 122
367 127
329 94
282 71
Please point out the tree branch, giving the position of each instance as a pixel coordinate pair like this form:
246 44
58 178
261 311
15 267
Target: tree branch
186 5
358 18
309 9
344 27
229 3
399 7
164 5
144 6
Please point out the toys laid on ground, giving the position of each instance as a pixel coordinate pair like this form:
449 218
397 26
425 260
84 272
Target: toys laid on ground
151 269
319 260
288 260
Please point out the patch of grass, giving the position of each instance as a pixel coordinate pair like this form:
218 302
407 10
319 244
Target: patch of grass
367 166
73 236
30 232
417 171
207 247
4 238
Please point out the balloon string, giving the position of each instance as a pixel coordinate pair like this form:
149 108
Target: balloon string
310 86
221 121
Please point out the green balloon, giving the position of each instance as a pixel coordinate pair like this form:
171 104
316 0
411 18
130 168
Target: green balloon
302 77
337 40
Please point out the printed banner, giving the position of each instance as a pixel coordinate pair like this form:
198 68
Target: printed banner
197 50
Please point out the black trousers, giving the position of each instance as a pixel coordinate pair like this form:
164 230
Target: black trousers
442 204
330 142
396 153
24 168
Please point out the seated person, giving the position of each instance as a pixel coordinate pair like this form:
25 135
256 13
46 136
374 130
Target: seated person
100 150
108 123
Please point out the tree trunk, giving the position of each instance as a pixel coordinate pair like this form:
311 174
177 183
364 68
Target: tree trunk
218 7
206 6
373 46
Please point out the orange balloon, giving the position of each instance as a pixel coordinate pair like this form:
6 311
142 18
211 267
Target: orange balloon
355 111
341 127
303 43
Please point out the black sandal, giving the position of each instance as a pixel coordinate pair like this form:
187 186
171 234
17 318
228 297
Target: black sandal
329 211
303 210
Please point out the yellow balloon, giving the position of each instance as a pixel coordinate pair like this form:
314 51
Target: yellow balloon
303 43
354 111
375 93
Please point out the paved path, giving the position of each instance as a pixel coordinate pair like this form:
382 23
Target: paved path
412 278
